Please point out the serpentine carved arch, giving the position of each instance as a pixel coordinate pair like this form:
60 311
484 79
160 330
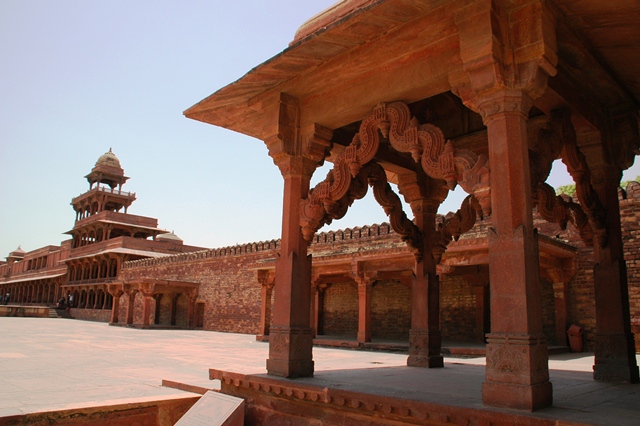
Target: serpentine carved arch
331 198
347 181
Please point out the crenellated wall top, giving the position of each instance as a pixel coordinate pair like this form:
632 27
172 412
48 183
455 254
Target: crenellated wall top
329 237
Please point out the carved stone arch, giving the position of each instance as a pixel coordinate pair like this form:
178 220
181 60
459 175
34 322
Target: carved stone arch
354 170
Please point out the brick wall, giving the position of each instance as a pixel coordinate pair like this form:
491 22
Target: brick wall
630 219
101 315
231 293
457 309
228 286
341 310
390 311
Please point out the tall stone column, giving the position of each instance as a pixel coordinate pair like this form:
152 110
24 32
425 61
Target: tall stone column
424 195
192 294
318 308
517 373
480 283
365 288
146 308
115 306
131 295
559 279
614 342
266 280
425 338
297 150
291 338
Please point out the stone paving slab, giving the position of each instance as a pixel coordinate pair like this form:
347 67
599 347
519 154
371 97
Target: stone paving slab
52 363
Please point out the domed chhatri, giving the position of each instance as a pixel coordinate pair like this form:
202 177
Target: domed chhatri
168 237
107 171
109 159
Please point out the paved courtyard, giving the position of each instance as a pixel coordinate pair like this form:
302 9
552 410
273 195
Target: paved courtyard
53 364
50 364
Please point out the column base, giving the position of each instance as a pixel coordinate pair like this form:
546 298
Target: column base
436 361
424 349
517 373
520 397
363 337
615 358
289 369
290 352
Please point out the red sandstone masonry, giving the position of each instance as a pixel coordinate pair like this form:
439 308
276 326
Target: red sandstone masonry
232 294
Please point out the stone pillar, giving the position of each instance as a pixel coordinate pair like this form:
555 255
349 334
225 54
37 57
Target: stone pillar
614 342
559 278
318 308
425 338
192 294
174 301
480 283
266 280
297 151
146 308
517 358
115 307
156 314
131 295
365 287
291 339
424 195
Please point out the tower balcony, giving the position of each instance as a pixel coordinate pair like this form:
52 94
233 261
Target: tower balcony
101 190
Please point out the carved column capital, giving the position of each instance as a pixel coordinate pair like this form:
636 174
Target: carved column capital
503 102
295 166
502 47
422 191
266 278
285 139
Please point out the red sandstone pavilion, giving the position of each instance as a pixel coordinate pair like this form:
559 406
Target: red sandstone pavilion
425 95
83 270
429 95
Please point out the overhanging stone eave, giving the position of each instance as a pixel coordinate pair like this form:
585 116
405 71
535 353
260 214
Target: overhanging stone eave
240 92
228 106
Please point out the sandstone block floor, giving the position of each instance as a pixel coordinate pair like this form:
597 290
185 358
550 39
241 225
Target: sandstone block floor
52 364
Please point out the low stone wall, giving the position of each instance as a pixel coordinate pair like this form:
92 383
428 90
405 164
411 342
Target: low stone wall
164 412
100 315
24 311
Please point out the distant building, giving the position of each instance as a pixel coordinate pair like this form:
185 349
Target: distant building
104 236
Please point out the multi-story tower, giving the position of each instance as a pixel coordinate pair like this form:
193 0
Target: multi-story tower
105 235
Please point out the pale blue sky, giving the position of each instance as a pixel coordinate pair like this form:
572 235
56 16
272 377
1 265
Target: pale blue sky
79 77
